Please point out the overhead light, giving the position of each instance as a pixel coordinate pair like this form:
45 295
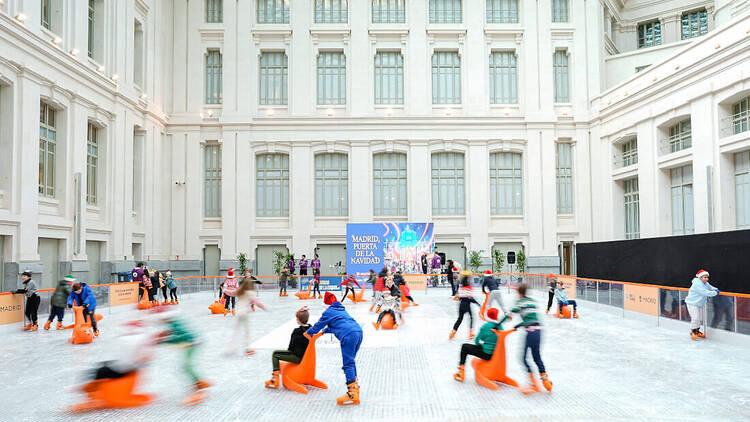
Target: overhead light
115 76
329 112
21 17
448 112
100 68
507 112
389 111
210 113
57 40
269 112
74 52
144 96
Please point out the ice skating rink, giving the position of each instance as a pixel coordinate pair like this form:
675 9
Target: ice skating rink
603 368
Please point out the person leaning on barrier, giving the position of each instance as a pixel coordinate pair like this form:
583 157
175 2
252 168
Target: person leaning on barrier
696 300
32 300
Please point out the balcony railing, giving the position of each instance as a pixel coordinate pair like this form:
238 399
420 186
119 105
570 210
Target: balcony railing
675 143
736 123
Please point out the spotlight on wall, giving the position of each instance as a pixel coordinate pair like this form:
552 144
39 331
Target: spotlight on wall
389 112
21 17
115 76
269 112
209 113
448 112
144 96
100 68
57 40
329 112
506 112
74 52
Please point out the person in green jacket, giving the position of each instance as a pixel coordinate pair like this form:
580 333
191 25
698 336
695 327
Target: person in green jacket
59 301
484 343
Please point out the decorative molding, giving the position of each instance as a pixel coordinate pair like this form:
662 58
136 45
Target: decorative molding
279 33
318 34
492 33
209 35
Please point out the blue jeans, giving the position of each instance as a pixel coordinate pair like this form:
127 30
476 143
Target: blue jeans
533 342
58 312
571 302
349 348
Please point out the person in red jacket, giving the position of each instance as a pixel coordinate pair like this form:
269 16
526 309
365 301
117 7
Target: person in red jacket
379 287
347 282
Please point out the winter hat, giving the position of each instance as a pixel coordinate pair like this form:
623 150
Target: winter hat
27 273
69 279
76 286
230 273
488 272
455 269
329 298
701 273
492 314
169 273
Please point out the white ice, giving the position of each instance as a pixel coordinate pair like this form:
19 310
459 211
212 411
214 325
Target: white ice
603 368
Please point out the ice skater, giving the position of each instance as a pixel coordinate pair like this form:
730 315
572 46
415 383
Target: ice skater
230 290
696 300
32 300
398 278
562 300
247 299
347 283
59 301
490 286
316 284
484 344
551 286
283 280
389 305
337 321
465 298
526 308
172 285
296 349
82 295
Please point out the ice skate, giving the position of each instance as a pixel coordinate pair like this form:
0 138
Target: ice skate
376 325
575 314
196 398
700 334
59 325
452 334
27 327
351 397
546 382
533 388
34 327
694 335
273 383
202 385
249 352
459 376
47 324
471 333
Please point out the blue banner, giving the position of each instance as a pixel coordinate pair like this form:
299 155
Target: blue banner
327 284
397 246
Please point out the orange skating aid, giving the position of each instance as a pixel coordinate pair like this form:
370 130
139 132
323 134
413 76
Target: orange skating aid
306 294
484 307
357 297
112 394
488 372
82 332
295 376
216 307
565 313
387 323
144 303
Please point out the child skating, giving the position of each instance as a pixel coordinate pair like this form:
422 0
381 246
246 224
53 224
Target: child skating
347 283
484 344
490 286
527 309
296 349
389 305
59 301
247 299
696 300
562 300
230 290
283 279
172 286
316 284
337 321
82 295
465 297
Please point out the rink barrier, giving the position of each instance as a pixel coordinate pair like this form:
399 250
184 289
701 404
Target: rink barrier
731 313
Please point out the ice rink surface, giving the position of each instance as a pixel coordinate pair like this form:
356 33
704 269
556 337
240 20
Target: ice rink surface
603 368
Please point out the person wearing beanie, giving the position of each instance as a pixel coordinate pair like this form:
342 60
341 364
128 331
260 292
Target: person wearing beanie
59 301
490 284
337 321
82 295
172 286
32 300
296 349
484 344
465 298
230 291
696 301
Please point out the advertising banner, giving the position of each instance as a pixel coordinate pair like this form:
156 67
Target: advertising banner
11 309
641 299
416 282
570 285
123 294
397 246
327 284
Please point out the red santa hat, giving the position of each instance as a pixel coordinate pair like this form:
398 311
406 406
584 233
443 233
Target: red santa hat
701 273
488 272
492 314
329 298
230 273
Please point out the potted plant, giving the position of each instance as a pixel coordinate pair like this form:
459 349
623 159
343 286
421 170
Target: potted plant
280 260
475 261
498 260
521 261
242 260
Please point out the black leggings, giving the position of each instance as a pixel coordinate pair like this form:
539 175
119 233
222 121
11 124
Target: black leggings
549 300
346 293
106 372
32 306
228 300
173 294
316 288
382 314
150 294
140 290
410 298
474 350
86 313
164 292
464 307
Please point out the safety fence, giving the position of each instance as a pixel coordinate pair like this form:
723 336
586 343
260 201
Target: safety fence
728 311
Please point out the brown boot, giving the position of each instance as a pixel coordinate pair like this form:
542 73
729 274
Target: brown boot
545 381
533 388
273 383
47 324
351 396
459 376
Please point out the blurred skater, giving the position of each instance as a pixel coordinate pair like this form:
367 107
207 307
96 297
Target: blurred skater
58 302
398 278
32 300
296 349
82 295
336 320
526 308
466 298
246 300
696 300
495 296
347 283
484 343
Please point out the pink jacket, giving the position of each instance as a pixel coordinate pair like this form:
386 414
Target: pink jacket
230 286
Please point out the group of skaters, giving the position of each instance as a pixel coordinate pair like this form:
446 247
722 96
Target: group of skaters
150 281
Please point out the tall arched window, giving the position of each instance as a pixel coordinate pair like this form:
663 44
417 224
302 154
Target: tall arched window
272 185
448 174
389 184
506 183
331 185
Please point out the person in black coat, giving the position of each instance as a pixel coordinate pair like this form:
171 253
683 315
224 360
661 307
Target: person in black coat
296 350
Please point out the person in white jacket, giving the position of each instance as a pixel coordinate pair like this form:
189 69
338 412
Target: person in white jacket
696 300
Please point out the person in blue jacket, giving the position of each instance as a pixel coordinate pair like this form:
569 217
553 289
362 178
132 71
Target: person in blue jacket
82 295
696 300
338 322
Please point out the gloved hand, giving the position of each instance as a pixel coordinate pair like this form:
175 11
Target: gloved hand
70 306
718 291
565 303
